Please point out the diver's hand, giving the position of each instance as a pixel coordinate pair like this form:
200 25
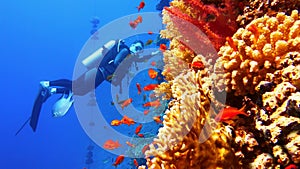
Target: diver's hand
155 53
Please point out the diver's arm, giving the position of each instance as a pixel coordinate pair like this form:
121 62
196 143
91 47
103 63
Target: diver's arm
121 56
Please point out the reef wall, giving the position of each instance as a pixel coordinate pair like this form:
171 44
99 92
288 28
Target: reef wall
247 51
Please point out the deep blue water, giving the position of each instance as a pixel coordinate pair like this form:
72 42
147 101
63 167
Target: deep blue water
41 40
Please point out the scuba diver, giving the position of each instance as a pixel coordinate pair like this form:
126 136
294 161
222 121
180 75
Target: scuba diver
112 54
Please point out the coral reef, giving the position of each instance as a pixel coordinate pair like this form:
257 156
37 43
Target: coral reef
256 51
257 8
257 66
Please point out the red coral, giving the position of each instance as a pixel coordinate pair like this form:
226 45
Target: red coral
216 23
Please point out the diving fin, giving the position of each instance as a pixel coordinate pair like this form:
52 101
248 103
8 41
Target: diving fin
36 112
23 126
43 95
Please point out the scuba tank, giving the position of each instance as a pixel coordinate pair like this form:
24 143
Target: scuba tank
93 60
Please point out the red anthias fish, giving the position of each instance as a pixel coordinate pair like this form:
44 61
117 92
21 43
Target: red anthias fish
139 88
197 65
155 103
291 166
129 144
135 162
150 87
126 103
141 135
229 113
146 112
139 19
163 47
138 129
133 24
141 5
127 120
145 148
110 144
152 73
119 160
157 119
231 43
115 123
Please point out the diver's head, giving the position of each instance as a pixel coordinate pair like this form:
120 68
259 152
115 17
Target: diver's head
136 46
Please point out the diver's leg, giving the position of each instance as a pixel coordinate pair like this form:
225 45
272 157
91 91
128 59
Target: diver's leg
63 90
61 82
87 82
80 86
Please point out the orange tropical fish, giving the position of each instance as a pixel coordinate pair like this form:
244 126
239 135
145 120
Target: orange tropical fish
139 88
229 113
291 166
119 160
146 112
126 103
133 24
155 103
157 119
141 135
197 65
145 148
127 120
129 144
135 162
231 43
110 144
253 28
138 129
141 5
152 73
150 32
139 19
163 47
115 123
150 87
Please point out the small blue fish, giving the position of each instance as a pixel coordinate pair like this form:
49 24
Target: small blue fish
61 107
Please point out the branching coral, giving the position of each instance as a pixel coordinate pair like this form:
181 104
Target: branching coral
256 50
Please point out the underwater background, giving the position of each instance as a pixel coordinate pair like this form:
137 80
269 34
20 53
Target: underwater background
41 40
223 90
